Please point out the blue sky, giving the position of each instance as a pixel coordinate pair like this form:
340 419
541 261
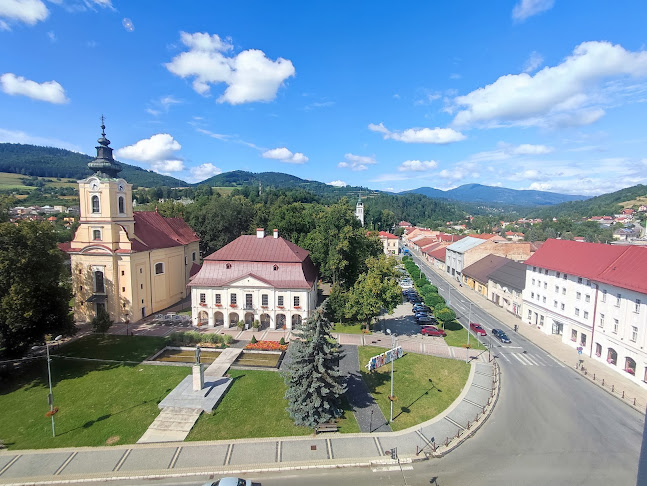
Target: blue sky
527 94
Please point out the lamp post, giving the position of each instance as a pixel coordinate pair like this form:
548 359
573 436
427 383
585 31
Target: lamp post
388 331
50 398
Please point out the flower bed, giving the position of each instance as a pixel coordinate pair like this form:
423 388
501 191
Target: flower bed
267 346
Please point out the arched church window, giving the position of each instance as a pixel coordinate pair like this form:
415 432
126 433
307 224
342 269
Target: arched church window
95 204
99 287
122 205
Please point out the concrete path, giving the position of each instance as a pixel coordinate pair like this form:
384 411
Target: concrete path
233 457
367 413
222 363
173 424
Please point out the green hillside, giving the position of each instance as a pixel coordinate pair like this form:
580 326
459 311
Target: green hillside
32 160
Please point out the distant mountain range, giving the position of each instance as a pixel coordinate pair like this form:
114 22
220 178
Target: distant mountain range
32 160
478 193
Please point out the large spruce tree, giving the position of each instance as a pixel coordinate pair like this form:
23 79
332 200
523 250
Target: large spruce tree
34 287
315 386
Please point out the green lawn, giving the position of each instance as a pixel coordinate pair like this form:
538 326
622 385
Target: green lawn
418 398
121 348
99 403
347 328
254 407
457 336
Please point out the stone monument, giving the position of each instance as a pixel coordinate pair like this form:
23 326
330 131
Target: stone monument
198 372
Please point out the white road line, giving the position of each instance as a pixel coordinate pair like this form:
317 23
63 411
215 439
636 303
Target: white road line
519 359
531 359
504 357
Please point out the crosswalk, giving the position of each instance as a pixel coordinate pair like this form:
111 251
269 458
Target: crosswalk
529 359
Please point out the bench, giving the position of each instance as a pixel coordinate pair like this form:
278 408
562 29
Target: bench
327 427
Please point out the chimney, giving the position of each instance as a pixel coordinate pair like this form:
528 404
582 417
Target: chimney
276 233
260 233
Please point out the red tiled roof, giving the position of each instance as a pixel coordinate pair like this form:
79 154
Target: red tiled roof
195 268
404 223
450 238
388 236
621 266
155 231
250 248
286 276
481 269
439 254
427 240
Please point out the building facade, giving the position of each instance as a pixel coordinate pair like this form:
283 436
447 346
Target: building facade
390 243
359 210
128 264
505 286
255 278
594 296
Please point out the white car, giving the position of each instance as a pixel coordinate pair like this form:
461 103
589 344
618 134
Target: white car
231 482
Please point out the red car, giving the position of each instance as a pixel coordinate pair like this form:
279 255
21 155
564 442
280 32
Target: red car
477 329
432 331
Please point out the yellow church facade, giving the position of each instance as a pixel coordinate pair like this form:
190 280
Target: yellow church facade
130 264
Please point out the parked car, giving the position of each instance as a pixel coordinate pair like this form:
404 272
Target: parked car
477 329
432 331
421 307
501 335
425 320
231 482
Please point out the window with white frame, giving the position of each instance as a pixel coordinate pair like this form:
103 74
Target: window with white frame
578 295
545 285
574 335
264 300
563 290
297 301
602 321
604 296
218 299
555 304
634 334
529 314
637 309
543 299
557 289
532 295
579 280
159 268
533 281
557 274
232 299
203 298
96 235
122 205
563 306
541 320
577 311
615 326
587 298
96 208
586 315
565 276
618 298
279 300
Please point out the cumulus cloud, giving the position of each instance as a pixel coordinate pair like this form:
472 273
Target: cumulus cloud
160 151
17 136
203 171
337 183
534 61
419 135
417 165
357 162
250 76
26 11
528 8
454 174
558 96
285 155
49 91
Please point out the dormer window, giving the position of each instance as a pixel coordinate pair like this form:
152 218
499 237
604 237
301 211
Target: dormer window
122 205
276 267
228 266
95 204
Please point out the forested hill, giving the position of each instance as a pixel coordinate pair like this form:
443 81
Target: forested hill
478 193
238 178
32 160
604 205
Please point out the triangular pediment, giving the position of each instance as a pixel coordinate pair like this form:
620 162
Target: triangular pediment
249 280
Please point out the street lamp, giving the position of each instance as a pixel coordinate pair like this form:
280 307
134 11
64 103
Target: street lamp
50 398
388 331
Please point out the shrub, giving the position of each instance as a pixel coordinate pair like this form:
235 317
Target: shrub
101 322
241 324
254 340
282 341
432 299
256 324
227 339
440 306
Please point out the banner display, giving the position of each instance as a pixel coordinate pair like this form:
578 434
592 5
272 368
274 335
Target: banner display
384 358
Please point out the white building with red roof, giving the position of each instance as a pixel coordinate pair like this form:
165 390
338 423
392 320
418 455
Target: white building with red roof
130 264
390 243
255 277
594 295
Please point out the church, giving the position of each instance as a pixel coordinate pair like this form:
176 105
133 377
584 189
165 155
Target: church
130 264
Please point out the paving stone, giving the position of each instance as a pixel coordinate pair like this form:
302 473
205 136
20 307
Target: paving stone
406 444
478 395
94 461
158 458
36 465
252 453
201 456
4 460
301 450
346 448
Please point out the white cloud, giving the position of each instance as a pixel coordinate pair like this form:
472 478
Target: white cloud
417 165
27 11
455 76
357 162
203 171
17 136
534 61
528 8
160 151
337 183
162 105
557 96
49 91
250 75
419 135
455 174
285 155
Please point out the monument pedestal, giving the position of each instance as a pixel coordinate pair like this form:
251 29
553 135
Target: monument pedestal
198 377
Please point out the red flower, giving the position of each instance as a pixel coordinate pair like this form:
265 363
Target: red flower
267 346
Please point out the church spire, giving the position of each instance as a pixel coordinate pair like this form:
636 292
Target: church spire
104 164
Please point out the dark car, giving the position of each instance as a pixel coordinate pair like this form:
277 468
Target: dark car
421 308
425 320
501 335
477 329
432 331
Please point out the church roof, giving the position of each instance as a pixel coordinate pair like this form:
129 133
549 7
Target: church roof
152 231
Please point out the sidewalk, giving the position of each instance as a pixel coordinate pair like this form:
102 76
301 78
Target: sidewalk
598 373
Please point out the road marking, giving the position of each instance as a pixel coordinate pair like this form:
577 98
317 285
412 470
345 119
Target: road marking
329 449
122 460
559 363
472 403
423 437
10 463
455 423
531 359
67 461
380 449
513 347
279 450
230 449
392 468
504 357
519 359
171 464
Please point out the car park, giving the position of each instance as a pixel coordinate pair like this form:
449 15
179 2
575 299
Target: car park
432 331
421 308
477 329
501 335
426 320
